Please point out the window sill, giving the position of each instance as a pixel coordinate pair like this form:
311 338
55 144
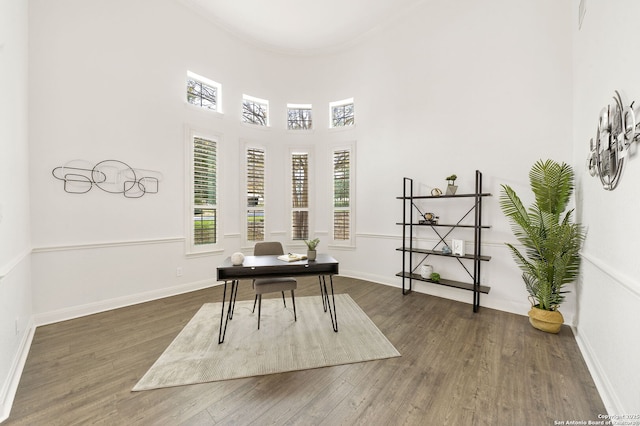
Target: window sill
342 128
203 253
255 126
300 131
214 113
334 246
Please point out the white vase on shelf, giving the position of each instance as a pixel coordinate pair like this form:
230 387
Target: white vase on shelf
426 271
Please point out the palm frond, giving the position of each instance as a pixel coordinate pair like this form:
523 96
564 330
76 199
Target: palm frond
517 214
552 184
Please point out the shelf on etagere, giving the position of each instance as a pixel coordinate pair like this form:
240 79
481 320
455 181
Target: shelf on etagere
449 283
439 253
422 197
449 225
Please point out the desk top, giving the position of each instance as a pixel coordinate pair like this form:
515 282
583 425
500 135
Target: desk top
269 266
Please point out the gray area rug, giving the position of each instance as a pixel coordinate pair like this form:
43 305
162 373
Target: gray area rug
280 345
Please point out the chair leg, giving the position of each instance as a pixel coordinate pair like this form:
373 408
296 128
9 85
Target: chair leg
254 304
259 308
293 299
283 300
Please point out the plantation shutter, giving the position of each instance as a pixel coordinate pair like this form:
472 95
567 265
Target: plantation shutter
300 196
341 194
255 194
204 191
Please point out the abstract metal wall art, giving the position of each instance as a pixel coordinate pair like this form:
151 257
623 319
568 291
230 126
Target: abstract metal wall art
617 130
112 176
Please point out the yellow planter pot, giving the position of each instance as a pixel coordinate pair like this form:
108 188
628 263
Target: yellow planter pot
549 321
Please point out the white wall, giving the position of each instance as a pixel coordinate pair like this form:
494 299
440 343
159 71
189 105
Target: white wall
447 89
453 88
100 95
609 293
450 88
15 267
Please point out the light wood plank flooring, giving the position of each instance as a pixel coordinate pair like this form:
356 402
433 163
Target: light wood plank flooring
456 368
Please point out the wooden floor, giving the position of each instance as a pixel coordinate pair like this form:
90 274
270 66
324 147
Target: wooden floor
456 368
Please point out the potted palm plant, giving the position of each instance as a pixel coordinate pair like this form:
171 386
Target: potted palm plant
550 259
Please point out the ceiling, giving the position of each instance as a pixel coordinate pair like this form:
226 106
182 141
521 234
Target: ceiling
301 26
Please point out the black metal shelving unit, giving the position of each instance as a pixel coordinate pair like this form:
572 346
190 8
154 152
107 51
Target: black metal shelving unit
409 210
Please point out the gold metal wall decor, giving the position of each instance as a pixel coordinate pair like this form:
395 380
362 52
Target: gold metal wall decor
617 130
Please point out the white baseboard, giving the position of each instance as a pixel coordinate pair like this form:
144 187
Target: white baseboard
9 388
464 296
106 305
605 389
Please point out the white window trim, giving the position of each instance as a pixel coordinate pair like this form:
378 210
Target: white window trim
309 150
256 100
341 103
351 242
245 145
211 83
191 248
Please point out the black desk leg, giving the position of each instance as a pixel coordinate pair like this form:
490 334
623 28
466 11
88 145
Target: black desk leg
232 301
325 296
234 296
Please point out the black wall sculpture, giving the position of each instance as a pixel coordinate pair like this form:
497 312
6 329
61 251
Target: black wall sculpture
112 176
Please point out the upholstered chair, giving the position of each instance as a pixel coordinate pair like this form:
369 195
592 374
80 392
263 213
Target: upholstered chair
274 284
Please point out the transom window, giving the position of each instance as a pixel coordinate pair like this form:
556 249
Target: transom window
255 110
203 92
255 194
342 113
299 117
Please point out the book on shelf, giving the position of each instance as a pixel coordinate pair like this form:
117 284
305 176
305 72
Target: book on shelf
292 257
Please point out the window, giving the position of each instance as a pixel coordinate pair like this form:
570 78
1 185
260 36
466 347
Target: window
203 92
255 194
299 196
255 111
341 113
341 194
299 117
203 216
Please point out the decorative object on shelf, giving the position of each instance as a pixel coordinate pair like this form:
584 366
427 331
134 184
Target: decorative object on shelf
552 242
429 219
237 258
617 130
435 277
426 271
451 185
311 246
457 247
112 176
436 192
446 249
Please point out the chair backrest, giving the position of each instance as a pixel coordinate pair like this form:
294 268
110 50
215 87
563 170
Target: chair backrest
268 248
